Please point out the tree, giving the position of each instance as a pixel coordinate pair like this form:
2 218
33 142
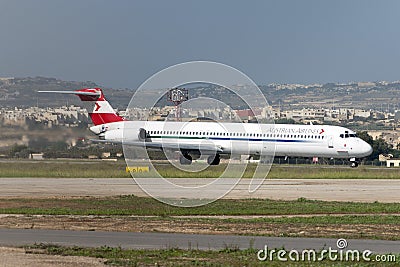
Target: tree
366 137
19 151
379 145
285 121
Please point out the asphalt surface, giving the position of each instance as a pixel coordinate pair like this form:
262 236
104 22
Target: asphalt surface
359 190
19 237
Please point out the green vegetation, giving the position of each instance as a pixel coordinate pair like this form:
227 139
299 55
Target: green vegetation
143 206
63 169
104 169
229 256
284 121
379 146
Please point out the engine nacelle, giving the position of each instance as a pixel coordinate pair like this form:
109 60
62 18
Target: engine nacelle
142 134
129 135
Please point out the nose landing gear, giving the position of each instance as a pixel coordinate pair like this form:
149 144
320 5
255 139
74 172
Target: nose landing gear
353 163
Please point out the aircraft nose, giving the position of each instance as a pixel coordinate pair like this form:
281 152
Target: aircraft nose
367 149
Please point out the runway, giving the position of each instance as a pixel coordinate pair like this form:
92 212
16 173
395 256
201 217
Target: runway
19 237
359 190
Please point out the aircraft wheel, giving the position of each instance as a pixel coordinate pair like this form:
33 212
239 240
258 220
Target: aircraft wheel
213 160
354 164
185 159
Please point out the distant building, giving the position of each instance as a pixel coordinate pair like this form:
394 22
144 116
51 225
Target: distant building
36 156
393 163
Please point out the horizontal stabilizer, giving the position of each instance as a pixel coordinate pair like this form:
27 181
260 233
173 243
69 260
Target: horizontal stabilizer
73 93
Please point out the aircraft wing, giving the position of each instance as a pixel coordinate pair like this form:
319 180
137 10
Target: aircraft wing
204 148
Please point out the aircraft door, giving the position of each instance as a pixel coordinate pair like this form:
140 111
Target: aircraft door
330 141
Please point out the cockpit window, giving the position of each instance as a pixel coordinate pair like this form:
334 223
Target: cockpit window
347 135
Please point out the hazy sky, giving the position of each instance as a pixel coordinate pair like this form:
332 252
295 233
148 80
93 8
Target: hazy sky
122 43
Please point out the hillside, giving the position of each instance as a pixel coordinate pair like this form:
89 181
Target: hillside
22 92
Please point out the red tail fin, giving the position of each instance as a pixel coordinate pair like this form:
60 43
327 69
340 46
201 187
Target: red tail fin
102 111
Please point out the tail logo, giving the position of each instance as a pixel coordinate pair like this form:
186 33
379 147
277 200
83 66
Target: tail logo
101 113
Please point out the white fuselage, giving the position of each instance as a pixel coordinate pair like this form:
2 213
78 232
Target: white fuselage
244 138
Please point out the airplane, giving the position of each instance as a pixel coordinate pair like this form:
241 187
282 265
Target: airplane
213 139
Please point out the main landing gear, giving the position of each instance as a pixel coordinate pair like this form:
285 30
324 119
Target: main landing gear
186 159
213 159
353 163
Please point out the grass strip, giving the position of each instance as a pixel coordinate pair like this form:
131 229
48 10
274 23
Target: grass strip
229 256
101 169
142 206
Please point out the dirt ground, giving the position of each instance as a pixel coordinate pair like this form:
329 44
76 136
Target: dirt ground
11 257
185 225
